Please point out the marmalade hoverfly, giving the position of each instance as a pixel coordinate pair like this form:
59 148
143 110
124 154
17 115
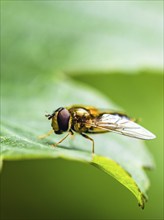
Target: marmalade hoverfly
89 120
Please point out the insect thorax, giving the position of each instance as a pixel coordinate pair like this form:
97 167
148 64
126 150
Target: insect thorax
80 120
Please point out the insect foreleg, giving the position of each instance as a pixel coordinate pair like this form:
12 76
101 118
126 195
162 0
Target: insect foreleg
70 133
45 135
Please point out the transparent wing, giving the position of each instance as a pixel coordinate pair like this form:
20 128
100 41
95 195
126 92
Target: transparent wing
122 125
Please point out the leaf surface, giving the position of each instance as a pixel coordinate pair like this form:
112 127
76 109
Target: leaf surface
37 47
25 121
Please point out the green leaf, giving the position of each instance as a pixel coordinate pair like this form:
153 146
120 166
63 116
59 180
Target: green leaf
23 121
78 35
35 49
115 170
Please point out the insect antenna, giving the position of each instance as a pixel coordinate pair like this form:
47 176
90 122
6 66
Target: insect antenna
49 116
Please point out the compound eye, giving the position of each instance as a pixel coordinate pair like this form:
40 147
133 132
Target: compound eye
63 119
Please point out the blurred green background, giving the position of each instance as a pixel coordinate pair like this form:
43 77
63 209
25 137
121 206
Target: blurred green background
114 47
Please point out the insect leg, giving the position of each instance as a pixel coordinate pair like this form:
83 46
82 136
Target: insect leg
70 132
86 136
72 135
45 135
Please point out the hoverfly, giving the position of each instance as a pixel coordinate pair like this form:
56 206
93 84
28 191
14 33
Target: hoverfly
89 120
